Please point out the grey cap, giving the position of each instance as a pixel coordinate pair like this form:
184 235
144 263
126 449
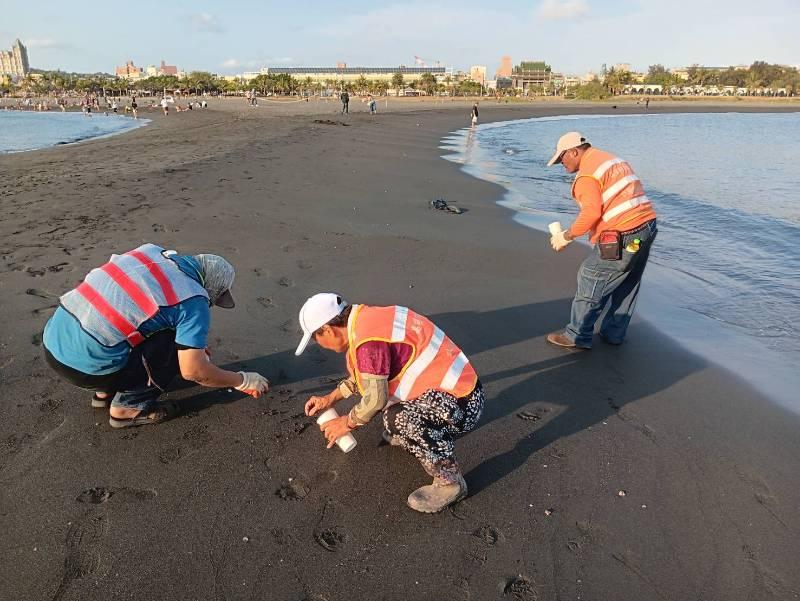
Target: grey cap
218 277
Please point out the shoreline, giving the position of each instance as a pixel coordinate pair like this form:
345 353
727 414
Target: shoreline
775 376
136 124
236 495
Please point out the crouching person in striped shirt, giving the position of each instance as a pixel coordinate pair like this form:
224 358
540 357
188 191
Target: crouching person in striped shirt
403 365
135 323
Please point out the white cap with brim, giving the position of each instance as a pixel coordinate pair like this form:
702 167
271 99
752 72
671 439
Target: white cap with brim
565 142
316 312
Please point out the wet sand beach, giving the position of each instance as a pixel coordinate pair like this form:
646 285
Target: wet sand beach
632 472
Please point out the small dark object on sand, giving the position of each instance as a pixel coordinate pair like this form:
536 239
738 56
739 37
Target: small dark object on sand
441 205
331 122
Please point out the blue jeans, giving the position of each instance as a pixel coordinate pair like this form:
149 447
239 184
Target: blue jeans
150 368
612 284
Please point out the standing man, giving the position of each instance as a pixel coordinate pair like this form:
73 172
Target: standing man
345 98
135 323
621 223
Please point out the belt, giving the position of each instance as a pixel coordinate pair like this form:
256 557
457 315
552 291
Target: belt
644 226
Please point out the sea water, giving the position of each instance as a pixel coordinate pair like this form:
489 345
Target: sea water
29 130
724 273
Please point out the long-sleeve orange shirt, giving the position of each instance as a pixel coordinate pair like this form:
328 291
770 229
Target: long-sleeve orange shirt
590 200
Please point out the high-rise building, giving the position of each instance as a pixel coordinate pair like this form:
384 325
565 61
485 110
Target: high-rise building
14 62
505 68
129 71
477 73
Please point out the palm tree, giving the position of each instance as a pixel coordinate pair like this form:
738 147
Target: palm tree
398 82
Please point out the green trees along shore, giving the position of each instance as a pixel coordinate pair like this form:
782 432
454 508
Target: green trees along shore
760 76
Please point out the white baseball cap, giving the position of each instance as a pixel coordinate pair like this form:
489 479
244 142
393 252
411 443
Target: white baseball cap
568 140
316 312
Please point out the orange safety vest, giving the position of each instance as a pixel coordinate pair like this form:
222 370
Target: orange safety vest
436 363
625 205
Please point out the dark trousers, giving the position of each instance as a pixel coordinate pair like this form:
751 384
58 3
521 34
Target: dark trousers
427 427
150 368
609 284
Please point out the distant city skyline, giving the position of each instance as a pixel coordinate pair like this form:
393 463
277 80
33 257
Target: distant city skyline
574 36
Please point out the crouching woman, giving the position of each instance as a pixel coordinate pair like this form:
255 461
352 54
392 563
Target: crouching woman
403 365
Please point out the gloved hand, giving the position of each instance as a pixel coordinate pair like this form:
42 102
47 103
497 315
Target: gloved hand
558 241
253 383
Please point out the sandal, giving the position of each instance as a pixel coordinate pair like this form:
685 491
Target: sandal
165 411
100 403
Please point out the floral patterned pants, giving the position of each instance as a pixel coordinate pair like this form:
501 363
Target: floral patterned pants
427 427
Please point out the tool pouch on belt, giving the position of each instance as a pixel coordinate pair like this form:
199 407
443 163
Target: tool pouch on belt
610 245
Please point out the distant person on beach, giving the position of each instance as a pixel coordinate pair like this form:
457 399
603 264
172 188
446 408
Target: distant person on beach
137 322
165 105
474 114
646 105
621 224
371 104
134 108
404 366
345 98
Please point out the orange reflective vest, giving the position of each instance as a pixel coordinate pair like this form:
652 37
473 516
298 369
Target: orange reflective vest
436 363
625 205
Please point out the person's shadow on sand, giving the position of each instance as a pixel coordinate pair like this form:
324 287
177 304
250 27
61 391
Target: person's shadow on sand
574 390
580 389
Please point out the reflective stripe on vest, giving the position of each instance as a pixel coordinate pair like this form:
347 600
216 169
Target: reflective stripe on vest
435 363
617 187
625 206
620 188
419 365
118 297
601 170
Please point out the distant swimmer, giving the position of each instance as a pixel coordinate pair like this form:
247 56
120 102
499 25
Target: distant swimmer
404 366
621 223
474 114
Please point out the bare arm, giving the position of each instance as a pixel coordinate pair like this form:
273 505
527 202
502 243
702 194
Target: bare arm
196 366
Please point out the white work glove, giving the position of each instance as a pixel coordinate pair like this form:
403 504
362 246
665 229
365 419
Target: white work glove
253 383
558 241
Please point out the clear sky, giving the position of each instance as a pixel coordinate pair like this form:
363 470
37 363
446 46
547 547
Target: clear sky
232 36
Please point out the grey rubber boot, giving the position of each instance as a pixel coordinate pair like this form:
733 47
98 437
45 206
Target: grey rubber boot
435 497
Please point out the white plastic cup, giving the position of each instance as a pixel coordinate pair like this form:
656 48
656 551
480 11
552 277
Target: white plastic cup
555 228
347 442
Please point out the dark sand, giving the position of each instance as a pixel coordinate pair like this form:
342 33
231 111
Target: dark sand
238 498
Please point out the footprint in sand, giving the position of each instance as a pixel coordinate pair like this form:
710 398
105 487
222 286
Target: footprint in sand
285 282
520 588
330 539
293 491
82 556
265 302
529 416
489 534
95 496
